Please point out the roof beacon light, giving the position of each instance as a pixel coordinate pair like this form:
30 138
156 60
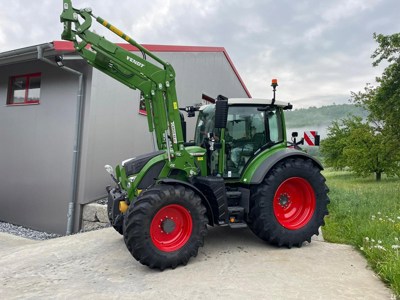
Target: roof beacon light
274 84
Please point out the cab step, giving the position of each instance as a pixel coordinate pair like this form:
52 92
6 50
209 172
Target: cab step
233 198
236 217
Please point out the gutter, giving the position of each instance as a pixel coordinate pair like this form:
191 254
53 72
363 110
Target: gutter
78 136
19 55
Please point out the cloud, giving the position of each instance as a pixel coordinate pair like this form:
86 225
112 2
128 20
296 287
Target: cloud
336 12
318 50
3 36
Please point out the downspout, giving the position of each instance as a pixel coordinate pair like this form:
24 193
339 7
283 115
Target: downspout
78 137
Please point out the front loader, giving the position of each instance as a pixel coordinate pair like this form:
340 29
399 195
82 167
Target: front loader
239 171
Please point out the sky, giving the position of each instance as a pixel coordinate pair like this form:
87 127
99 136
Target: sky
320 51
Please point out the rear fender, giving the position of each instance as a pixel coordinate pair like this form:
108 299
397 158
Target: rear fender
271 161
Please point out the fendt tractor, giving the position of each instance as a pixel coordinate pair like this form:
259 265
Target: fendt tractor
239 170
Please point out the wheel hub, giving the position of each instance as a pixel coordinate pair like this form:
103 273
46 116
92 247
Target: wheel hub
284 200
168 225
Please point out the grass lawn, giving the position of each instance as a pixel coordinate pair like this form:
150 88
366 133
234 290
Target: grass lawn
366 214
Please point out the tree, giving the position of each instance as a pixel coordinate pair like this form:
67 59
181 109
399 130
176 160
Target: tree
372 145
357 144
383 102
332 147
370 151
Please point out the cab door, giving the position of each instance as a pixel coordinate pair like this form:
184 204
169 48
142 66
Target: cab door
249 129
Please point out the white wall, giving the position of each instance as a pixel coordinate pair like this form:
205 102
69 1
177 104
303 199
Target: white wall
36 149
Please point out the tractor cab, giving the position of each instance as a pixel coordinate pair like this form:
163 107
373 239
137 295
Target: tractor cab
252 126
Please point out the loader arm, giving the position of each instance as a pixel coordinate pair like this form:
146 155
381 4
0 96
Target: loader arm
157 83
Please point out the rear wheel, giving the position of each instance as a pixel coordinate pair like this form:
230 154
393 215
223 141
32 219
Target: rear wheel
289 206
165 226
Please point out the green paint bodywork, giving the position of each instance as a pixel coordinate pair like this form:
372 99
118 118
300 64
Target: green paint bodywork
248 173
170 170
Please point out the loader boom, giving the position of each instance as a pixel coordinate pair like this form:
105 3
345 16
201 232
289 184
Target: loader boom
157 83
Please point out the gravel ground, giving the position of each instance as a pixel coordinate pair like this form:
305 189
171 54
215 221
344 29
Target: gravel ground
33 234
102 201
26 232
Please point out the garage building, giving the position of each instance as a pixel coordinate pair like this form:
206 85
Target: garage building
59 126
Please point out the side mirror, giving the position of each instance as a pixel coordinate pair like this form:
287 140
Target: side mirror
109 169
221 113
317 140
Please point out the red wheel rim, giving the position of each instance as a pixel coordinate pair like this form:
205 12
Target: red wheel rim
294 203
171 228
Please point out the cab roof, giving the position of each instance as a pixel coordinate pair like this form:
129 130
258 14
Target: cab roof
259 101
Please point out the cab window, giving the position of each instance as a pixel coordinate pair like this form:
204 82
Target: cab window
249 129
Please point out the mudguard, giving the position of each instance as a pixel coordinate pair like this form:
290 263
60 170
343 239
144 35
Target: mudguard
272 160
204 200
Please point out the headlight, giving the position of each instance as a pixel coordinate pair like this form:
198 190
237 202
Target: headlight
131 179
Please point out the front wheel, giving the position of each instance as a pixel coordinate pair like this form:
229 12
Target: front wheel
117 224
289 206
165 226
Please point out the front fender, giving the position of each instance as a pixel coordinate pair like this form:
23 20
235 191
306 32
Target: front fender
203 198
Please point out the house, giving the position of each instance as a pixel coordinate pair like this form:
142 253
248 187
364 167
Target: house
59 126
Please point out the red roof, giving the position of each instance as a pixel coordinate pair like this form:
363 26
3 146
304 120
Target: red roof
65 46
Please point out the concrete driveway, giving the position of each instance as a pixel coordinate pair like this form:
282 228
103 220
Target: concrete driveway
234 264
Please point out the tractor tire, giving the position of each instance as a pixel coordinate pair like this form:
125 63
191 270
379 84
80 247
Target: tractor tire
118 223
165 227
289 206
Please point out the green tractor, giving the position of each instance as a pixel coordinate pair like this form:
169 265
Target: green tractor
239 170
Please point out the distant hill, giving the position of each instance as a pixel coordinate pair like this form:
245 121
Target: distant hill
319 118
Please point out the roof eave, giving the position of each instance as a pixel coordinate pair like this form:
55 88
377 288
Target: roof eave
23 54
66 46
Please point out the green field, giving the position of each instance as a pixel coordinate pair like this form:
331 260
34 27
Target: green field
366 214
